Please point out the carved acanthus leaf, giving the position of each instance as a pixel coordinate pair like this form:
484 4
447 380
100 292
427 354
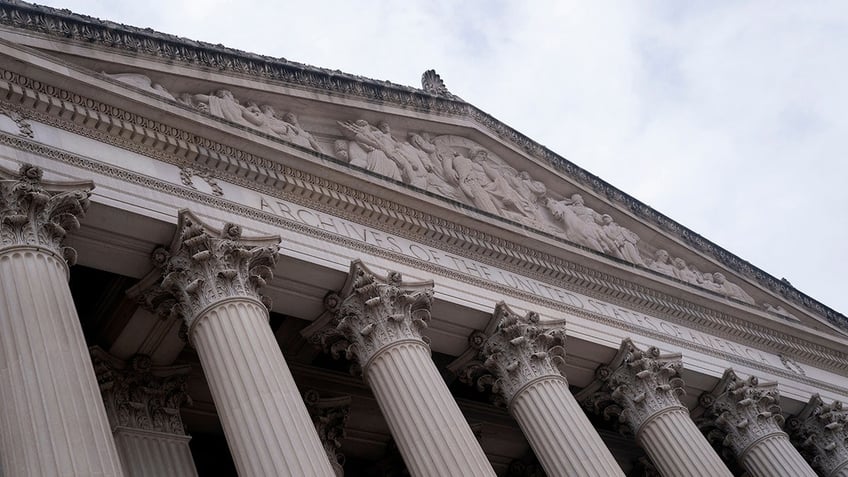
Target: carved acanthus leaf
820 432
205 266
521 349
139 395
30 214
371 313
329 415
638 384
744 410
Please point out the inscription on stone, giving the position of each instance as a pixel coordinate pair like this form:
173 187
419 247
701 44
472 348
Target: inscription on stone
439 258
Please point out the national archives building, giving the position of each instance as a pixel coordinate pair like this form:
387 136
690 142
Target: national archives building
215 263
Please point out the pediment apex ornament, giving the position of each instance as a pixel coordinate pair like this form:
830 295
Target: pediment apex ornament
513 351
635 385
39 213
431 82
370 313
741 411
204 265
820 432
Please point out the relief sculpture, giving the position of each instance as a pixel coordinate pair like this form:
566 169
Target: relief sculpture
460 169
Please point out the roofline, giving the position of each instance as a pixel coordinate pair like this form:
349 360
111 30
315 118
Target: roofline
66 24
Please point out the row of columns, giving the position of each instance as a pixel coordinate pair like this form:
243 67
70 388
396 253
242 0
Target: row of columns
54 422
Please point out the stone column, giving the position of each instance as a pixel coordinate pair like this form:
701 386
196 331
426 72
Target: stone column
379 321
747 413
641 388
52 420
210 279
329 415
525 358
820 431
143 404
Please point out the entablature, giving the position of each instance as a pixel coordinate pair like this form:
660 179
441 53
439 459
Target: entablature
281 172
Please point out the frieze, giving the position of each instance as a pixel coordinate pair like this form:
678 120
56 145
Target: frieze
586 278
90 30
454 167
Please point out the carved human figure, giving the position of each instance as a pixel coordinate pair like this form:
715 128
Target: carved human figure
502 186
682 272
474 178
430 155
660 263
365 149
623 240
573 215
708 283
297 134
731 290
223 104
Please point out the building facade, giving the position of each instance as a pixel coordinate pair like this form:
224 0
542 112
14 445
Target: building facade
218 263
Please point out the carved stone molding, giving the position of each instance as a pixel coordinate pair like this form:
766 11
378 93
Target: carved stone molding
637 385
38 213
820 432
68 26
371 313
645 299
330 417
204 266
741 411
512 352
568 275
139 395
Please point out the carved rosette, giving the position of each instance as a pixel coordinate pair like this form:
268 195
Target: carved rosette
743 411
205 266
139 395
638 384
820 432
32 215
372 313
329 415
520 350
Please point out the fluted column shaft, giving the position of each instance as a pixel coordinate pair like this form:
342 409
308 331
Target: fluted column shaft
774 456
525 358
378 322
211 279
676 446
265 420
748 413
52 420
559 432
154 454
642 387
431 433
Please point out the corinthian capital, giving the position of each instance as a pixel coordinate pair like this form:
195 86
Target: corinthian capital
329 415
512 352
636 385
38 213
371 313
820 432
742 410
205 266
139 395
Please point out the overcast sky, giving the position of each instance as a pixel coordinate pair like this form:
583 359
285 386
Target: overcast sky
729 117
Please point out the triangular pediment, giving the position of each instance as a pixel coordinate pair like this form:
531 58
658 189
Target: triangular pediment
409 145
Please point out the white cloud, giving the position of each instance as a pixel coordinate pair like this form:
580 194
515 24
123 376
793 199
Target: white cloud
728 117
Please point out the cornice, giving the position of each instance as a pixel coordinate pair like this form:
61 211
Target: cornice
109 35
102 122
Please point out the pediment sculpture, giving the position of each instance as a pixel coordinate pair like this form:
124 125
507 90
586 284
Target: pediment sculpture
462 170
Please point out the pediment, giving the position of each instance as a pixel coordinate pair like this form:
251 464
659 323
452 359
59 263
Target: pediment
425 144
